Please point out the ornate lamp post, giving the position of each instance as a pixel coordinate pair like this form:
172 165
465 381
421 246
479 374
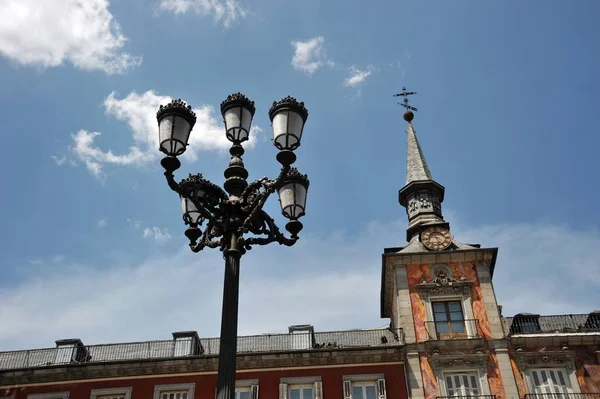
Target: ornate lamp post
233 219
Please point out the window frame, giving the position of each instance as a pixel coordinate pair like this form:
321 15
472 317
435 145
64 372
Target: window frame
49 395
471 373
301 382
160 389
531 387
126 391
364 380
466 305
454 364
547 360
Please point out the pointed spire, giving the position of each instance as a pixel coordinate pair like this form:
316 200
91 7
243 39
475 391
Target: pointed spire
421 196
416 165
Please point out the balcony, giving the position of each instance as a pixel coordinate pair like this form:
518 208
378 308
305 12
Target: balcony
182 348
457 329
467 397
570 323
562 396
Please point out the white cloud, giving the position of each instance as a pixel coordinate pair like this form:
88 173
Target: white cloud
358 76
541 268
310 55
226 12
59 160
49 33
136 224
139 112
156 234
102 223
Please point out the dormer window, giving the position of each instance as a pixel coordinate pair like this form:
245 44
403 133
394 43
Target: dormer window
525 323
70 351
303 336
187 343
592 322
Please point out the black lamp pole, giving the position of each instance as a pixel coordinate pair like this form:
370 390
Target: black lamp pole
233 219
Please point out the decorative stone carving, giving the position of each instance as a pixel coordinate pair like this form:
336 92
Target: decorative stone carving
546 359
423 202
444 362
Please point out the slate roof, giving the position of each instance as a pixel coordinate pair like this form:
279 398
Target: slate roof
527 323
210 346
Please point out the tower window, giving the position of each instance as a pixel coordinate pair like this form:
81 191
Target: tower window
448 318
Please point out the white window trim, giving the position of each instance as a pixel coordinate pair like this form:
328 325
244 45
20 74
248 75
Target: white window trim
370 379
547 360
158 389
111 391
482 379
463 295
460 364
301 382
49 395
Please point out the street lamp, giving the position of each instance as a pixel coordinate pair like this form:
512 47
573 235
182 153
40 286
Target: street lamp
233 219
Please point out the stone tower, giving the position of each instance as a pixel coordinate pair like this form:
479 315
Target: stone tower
439 291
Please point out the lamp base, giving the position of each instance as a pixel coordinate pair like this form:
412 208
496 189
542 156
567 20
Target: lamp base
193 233
170 163
294 227
286 157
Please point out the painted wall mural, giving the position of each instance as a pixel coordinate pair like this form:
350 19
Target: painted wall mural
429 380
494 378
422 273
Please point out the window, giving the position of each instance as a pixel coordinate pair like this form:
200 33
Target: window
462 384
246 389
305 392
550 380
174 391
53 395
111 393
301 388
302 336
364 387
448 318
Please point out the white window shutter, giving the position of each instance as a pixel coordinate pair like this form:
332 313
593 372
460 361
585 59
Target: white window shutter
254 392
381 389
283 391
318 390
347 389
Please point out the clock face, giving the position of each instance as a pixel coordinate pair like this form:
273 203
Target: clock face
436 238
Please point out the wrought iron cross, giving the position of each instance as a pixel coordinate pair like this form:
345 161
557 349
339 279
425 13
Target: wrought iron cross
404 102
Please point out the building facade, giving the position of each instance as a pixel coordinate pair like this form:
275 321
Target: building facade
447 338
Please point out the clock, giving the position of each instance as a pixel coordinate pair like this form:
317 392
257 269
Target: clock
436 238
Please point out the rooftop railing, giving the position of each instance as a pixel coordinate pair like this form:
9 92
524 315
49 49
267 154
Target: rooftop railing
467 397
571 323
266 343
562 396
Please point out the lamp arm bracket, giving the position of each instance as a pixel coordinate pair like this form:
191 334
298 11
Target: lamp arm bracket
267 227
172 183
208 239
255 198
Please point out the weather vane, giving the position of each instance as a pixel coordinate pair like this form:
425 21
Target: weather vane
404 102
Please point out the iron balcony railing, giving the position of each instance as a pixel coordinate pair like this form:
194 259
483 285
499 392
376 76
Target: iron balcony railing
456 329
467 397
269 343
562 396
570 323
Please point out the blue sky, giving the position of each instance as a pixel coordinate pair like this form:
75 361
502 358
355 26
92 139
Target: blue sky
93 244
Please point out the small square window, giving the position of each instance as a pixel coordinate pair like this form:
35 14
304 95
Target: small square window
364 387
301 392
111 393
174 391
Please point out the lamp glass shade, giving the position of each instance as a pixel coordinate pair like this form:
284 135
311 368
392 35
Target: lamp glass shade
292 196
191 215
287 129
238 120
174 133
